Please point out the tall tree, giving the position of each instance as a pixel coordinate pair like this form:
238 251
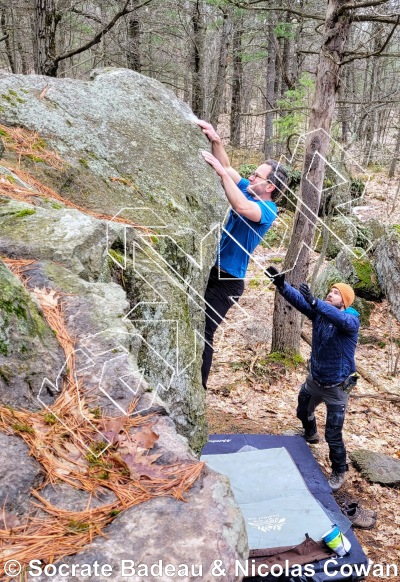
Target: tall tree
396 153
46 19
216 99
133 36
237 77
197 55
286 320
270 90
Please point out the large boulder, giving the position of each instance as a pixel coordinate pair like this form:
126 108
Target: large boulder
127 146
387 264
118 212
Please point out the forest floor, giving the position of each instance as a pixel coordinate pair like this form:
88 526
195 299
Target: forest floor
249 393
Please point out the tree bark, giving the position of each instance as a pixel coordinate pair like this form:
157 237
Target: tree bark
6 38
133 34
198 41
45 26
270 91
286 321
216 100
396 153
237 76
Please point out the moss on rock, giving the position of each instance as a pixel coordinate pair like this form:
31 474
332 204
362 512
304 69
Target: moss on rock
360 273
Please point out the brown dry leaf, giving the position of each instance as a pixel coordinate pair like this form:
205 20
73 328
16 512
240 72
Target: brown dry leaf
145 437
141 465
74 453
111 427
46 297
65 465
9 521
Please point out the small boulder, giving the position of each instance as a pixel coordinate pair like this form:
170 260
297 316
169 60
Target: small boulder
377 467
359 272
342 231
387 264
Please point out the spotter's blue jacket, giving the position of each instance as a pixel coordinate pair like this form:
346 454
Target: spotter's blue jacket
334 338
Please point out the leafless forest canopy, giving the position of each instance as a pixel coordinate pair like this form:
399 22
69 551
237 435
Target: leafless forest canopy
249 66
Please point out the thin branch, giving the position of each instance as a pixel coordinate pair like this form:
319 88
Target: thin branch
97 38
371 18
359 17
376 53
355 5
365 103
276 109
250 6
367 56
90 16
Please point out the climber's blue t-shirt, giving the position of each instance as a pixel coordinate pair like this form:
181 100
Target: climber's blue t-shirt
241 235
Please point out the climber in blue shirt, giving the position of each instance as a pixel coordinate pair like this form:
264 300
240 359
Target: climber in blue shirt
335 328
253 203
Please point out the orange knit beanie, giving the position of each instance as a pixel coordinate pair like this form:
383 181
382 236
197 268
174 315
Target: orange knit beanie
346 292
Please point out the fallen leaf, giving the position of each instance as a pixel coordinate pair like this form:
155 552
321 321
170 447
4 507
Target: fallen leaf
9 521
111 428
141 464
46 297
145 437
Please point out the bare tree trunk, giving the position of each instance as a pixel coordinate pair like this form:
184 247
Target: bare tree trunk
285 59
396 152
9 50
22 56
270 91
298 57
216 100
198 42
344 108
286 322
133 33
45 25
237 76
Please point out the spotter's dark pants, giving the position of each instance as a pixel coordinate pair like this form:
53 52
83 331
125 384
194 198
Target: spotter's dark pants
222 292
310 396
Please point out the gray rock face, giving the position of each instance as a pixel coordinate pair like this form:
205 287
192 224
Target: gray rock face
132 293
360 273
377 467
387 263
65 236
29 350
164 531
19 474
130 147
346 231
355 268
120 125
